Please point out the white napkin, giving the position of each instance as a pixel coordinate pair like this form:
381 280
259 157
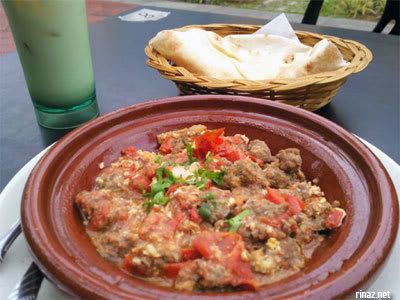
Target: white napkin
279 26
144 15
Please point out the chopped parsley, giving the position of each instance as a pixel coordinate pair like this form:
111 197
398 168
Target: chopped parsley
158 158
165 179
208 196
159 199
209 158
158 188
234 223
216 177
190 150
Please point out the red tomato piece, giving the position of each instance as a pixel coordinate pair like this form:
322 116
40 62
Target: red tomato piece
171 270
132 168
189 254
215 164
159 224
129 151
275 221
166 145
150 173
99 216
140 184
241 271
128 266
231 246
295 204
334 218
275 196
223 240
256 160
207 142
231 155
208 185
194 216
173 188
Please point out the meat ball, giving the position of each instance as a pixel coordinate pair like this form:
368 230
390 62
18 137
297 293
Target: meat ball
260 150
276 177
289 160
244 173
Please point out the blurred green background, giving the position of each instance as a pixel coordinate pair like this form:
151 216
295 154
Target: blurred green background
355 9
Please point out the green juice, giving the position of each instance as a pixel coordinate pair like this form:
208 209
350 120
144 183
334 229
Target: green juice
53 46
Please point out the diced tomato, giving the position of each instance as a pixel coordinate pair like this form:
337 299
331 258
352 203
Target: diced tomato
129 151
204 242
295 204
231 155
241 271
208 185
132 168
173 188
127 265
181 157
334 218
256 160
275 196
166 145
174 222
158 223
207 142
99 216
122 216
150 173
215 164
194 216
127 262
140 184
171 270
275 221
189 254
231 246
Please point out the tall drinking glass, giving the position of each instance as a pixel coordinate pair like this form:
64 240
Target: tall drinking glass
53 45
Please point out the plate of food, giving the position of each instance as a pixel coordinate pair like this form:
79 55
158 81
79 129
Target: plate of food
209 196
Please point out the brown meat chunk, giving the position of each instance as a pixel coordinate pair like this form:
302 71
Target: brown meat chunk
278 255
253 229
289 160
220 203
187 197
260 206
260 150
276 177
174 141
244 173
95 206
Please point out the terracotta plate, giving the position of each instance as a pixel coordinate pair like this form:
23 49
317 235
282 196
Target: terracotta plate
347 171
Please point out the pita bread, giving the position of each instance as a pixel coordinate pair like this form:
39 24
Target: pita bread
196 51
247 56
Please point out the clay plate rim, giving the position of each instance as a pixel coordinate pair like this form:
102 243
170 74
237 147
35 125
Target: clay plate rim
32 219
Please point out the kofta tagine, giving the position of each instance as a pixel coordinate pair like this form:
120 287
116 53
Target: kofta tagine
208 212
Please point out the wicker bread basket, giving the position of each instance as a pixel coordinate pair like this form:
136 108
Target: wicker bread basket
309 92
